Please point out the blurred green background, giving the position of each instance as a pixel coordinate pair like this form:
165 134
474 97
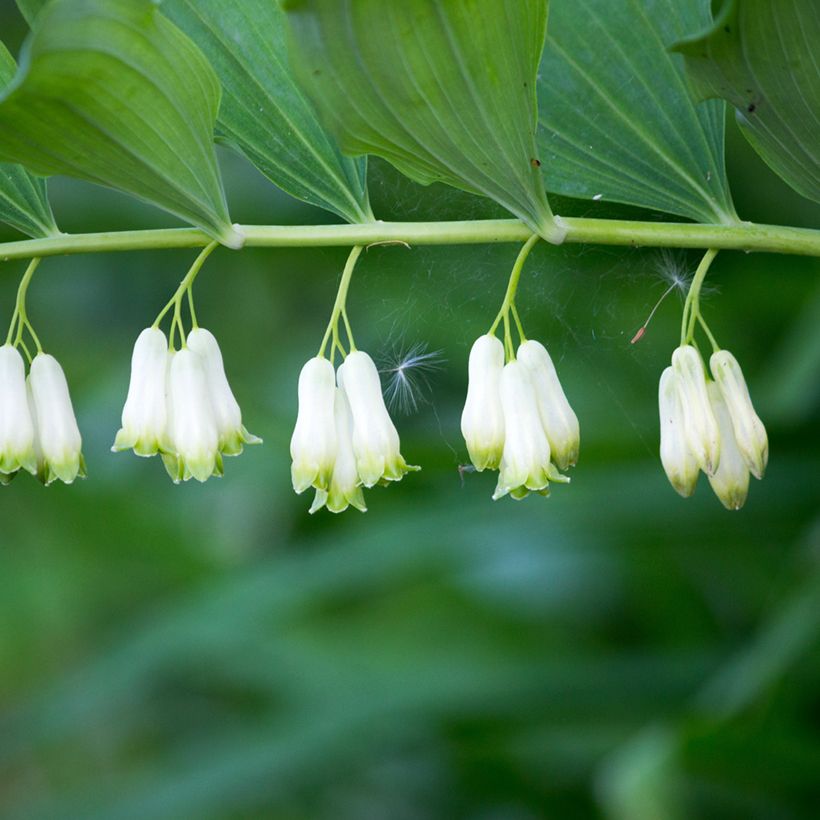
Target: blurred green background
613 651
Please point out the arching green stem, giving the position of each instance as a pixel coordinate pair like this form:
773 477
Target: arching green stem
19 319
515 275
691 308
339 305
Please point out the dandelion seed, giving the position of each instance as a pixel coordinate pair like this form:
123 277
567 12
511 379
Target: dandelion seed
407 372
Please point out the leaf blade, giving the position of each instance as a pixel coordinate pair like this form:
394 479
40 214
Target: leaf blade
264 114
618 121
760 57
445 92
111 92
23 200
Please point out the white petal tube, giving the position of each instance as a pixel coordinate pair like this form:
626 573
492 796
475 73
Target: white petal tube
559 419
679 463
313 444
482 421
194 435
731 479
345 487
375 440
144 415
57 431
525 463
16 424
750 434
228 416
698 417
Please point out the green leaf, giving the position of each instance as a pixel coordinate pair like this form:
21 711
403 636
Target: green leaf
763 58
30 9
23 200
111 92
618 120
443 90
264 114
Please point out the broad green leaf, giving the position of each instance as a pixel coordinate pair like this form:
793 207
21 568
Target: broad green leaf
23 200
443 90
30 9
264 114
112 92
618 120
763 57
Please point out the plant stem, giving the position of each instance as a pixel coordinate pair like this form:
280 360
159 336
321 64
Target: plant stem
744 236
691 307
20 317
512 285
339 304
185 285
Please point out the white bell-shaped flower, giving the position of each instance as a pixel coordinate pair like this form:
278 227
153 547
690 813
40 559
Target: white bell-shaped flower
731 479
558 418
57 434
750 434
375 440
525 462
482 421
192 437
698 417
679 463
16 424
144 415
313 444
228 416
345 486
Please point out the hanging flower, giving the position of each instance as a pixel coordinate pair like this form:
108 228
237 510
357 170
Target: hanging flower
557 417
58 443
482 421
679 463
145 413
227 414
345 486
375 440
192 439
525 462
730 481
313 444
749 432
16 425
699 420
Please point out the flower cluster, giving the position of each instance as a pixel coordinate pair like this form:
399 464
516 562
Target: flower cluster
344 438
517 418
710 425
38 429
181 406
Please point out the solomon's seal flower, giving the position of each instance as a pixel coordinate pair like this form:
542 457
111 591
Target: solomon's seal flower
376 443
16 425
313 444
731 479
482 422
144 415
58 443
678 461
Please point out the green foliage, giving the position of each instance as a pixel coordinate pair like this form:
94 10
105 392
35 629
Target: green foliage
263 112
617 118
23 199
30 9
762 58
444 91
112 92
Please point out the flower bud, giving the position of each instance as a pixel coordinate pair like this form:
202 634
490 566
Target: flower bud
16 425
679 463
57 434
731 479
228 416
192 435
345 486
750 434
375 440
699 420
482 421
525 462
313 444
144 415
558 418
